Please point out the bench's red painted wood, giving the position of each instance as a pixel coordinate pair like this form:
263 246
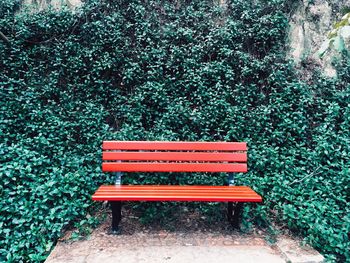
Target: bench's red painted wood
172 167
175 156
176 193
160 156
174 146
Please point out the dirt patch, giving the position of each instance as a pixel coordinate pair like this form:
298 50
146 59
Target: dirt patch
182 219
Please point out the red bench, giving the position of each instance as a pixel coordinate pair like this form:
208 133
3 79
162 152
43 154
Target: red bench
161 156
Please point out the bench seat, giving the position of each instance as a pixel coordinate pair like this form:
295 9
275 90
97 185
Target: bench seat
176 193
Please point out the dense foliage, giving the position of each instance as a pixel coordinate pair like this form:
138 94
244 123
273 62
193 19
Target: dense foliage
165 70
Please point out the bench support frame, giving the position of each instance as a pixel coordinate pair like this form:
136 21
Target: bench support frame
234 214
233 211
116 206
118 178
116 215
231 179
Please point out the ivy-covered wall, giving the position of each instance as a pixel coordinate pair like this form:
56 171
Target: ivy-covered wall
165 70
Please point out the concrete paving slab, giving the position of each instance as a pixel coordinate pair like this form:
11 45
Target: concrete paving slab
155 245
159 252
295 253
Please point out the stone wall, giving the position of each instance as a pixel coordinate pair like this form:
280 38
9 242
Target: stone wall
57 4
310 23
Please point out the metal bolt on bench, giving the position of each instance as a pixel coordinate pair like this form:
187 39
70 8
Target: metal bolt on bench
161 156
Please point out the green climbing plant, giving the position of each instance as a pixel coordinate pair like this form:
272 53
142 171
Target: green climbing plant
165 70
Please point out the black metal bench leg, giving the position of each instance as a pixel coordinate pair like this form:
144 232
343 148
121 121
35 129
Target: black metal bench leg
234 214
236 219
116 215
229 211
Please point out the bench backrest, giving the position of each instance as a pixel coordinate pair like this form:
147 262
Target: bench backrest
162 156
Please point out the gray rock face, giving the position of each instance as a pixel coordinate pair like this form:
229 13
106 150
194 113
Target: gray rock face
57 4
309 26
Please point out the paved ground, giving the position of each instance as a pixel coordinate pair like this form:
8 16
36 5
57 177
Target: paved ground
195 243
165 247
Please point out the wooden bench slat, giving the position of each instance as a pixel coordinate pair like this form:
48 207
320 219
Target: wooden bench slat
173 167
177 193
174 146
175 156
173 187
173 191
184 192
183 199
